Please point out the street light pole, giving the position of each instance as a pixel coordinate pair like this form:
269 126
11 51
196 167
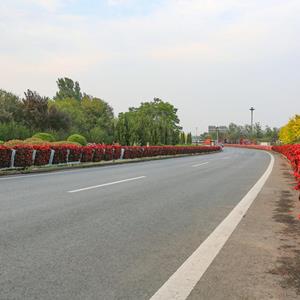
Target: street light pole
252 109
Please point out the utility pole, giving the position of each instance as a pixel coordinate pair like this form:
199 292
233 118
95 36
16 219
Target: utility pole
196 135
252 109
217 129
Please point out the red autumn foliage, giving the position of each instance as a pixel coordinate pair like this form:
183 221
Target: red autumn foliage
23 156
99 152
87 153
292 153
5 156
60 155
75 153
42 155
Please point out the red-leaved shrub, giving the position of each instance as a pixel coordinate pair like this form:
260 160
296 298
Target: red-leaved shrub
292 153
5 156
65 153
23 157
42 155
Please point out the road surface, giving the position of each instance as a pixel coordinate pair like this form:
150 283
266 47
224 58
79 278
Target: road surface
116 232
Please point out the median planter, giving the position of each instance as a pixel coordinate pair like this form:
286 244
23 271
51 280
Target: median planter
74 153
40 155
60 155
23 157
99 152
87 154
5 157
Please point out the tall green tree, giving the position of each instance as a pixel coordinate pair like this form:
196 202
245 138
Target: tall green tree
98 117
58 120
155 122
182 138
67 88
189 139
10 107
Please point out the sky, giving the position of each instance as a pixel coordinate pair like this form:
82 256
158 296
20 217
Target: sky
212 59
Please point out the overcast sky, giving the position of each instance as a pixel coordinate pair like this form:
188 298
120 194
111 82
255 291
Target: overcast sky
213 59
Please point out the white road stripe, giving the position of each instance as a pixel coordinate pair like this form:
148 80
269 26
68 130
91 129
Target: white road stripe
182 282
198 165
106 184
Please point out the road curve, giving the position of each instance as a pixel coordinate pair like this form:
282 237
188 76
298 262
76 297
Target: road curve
116 232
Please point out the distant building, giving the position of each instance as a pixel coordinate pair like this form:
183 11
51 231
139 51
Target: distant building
213 128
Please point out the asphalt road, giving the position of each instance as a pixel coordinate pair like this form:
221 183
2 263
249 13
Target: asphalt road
116 232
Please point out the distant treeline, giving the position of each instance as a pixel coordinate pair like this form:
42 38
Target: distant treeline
235 133
72 111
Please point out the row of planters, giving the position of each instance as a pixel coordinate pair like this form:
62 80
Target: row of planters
291 152
40 155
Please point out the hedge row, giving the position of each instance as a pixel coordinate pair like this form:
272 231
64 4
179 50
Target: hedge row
39 155
258 147
291 152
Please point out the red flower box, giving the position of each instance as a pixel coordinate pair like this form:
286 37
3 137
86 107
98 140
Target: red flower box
5 157
92 153
23 157
42 155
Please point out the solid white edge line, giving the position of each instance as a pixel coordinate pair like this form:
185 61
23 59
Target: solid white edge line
182 282
106 184
198 165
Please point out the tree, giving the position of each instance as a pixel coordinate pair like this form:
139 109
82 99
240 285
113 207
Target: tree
234 133
10 107
182 138
154 122
189 138
127 128
58 120
271 135
35 110
257 130
99 117
67 88
290 133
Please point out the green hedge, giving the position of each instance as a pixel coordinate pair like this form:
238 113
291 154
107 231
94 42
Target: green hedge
44 136
77 138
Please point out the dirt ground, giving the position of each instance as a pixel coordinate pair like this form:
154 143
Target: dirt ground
287 213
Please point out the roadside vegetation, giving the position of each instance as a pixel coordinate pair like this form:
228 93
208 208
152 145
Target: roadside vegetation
290 133
236 133
75 116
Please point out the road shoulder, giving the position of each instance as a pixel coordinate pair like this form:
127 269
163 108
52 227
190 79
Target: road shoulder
261 260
